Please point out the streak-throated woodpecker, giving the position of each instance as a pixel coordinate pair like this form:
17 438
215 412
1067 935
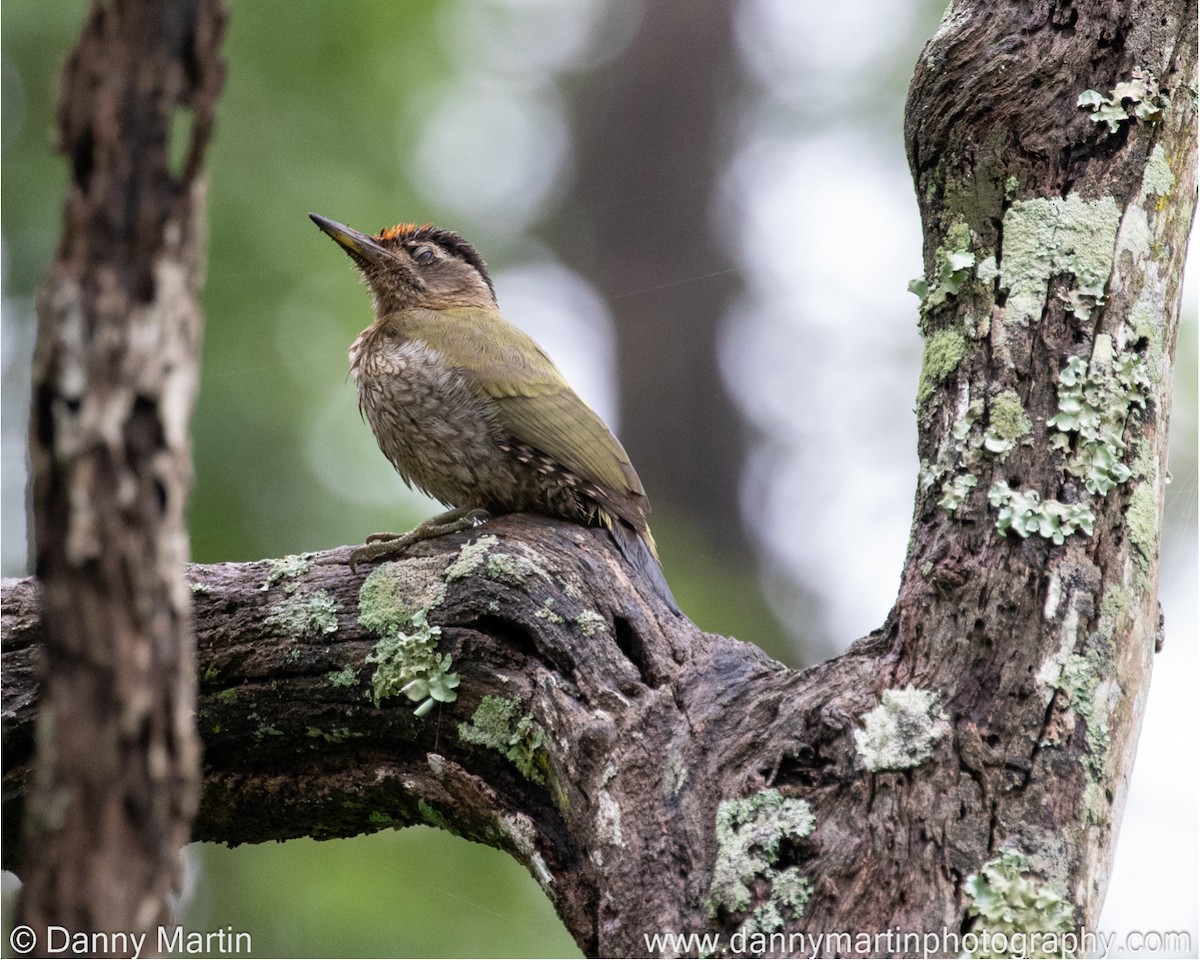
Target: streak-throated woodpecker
473 412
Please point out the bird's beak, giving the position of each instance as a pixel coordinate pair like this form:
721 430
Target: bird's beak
361 247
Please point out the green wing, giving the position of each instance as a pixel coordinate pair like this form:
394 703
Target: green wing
533 401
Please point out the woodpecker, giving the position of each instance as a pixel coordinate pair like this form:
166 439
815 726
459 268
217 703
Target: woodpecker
471 410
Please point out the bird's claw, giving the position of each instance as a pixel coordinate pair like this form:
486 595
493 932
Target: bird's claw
379 545
385 544
376 537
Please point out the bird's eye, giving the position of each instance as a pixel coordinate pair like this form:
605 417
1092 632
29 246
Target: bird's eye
423 255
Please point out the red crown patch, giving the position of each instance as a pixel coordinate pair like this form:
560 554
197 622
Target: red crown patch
401 230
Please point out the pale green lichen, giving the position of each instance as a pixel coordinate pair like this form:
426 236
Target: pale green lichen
949 455
1079 679
1085 298
1044 237
548 613
961 460
1083 676
1093 404
1144 466
1007 423
498 725
346 677
1144 320
1097 804
1141 520
1138 240
675 773
790 893
590 623
409 664
1145 101
1158 180
471 557
394 593
305 613
954 261
956 490
961 427
957 455
293 565
1114 605
901 731
987 269
1005 898
516 569
200 588
751 834
1025 513
944 351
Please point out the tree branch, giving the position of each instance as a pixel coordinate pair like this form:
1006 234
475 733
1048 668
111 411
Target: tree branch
615 728
971 754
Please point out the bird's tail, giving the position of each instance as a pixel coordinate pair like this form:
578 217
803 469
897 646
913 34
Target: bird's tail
638 549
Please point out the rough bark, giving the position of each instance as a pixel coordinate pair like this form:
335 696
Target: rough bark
1043 650
117 774
639 723
963 768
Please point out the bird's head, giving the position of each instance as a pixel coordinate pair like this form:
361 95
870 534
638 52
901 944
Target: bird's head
415 266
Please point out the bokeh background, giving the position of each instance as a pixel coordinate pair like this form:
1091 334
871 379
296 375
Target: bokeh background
703 211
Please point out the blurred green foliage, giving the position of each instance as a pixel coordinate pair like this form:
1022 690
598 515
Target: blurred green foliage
414 893
312 118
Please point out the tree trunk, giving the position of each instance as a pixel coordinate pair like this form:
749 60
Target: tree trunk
1053 148
116 778
961 771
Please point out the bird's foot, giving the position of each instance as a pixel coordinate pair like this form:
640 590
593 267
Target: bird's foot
389 544
377 537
